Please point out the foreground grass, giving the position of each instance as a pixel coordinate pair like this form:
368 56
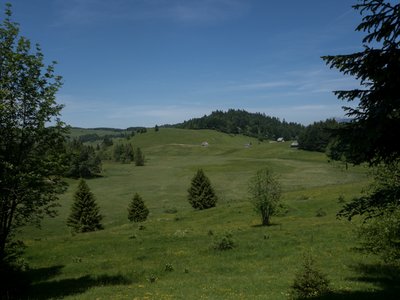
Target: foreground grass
126 261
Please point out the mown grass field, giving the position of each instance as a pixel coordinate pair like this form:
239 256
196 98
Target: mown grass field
121 261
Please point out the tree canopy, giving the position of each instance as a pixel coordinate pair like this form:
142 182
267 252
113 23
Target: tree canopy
252 124
317 136
32 135
371 135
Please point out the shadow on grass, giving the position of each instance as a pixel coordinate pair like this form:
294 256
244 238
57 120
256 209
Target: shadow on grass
266 226
385 278
42 287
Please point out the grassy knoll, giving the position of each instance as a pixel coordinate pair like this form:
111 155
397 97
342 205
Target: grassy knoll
122 261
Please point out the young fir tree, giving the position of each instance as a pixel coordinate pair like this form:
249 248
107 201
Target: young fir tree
201 193
139 157
85 215
309 282
137 210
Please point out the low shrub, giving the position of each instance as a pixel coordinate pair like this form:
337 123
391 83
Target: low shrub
224 243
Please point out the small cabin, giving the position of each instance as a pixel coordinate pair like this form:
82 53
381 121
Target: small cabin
280 140
294 144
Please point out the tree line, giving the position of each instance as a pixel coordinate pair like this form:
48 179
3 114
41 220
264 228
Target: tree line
256 125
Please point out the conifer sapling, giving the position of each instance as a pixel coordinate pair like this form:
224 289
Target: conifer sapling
137 210
85 214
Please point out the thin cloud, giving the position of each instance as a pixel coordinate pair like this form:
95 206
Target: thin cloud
78 12
265 85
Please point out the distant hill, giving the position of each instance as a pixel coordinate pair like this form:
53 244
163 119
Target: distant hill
242 122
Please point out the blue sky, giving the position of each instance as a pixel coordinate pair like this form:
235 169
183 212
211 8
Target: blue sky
145 62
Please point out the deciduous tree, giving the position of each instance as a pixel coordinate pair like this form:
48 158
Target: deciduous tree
265 194
32 135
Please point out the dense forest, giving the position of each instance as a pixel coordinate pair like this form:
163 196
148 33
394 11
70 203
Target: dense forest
242 122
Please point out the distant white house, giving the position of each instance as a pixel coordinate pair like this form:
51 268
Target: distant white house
294 144
204 144
280 140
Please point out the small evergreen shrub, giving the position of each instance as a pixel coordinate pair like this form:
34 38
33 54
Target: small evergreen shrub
309 282
139 157
137 210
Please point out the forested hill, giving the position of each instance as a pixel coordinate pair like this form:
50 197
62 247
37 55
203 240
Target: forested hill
251 124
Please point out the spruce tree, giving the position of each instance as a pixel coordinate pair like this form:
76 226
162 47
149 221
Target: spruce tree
371 136
85 215
201 193
139 157
137 210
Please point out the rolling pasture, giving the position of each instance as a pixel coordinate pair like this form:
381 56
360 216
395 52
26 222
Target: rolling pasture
171 255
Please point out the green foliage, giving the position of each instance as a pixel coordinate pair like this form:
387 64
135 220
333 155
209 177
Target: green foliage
309 282
169 267
242 122
137 210
224 243
370 137
31 153
317 136
381 236
107 142
382 194
139 157
201 193
83 162
123 152
265 194
85 214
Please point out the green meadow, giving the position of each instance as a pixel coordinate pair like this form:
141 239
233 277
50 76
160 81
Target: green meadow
128 261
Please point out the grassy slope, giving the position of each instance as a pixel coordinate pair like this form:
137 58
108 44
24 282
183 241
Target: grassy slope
118 261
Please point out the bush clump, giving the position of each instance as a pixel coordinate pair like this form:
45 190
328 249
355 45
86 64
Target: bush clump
225 243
